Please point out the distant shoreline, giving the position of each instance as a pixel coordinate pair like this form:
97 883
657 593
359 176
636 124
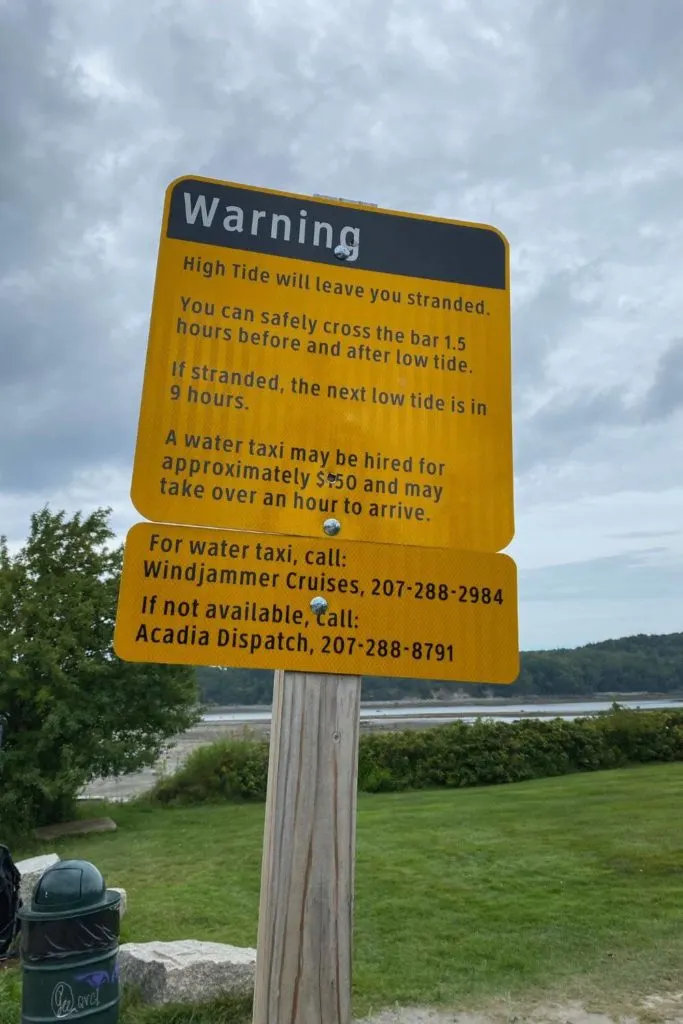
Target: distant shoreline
453 701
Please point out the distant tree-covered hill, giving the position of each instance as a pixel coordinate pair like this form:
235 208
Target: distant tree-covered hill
633 664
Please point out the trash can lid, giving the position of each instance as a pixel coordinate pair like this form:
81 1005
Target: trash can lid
71 885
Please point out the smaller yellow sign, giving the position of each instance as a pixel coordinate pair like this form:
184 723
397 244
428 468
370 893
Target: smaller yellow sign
246 600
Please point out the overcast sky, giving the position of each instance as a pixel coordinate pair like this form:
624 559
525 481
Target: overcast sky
559 122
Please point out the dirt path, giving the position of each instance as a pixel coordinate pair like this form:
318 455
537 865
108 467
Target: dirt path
657 1009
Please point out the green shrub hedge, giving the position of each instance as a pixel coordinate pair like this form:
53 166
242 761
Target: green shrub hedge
485 753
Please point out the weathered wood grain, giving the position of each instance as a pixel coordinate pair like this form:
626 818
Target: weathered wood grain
304 950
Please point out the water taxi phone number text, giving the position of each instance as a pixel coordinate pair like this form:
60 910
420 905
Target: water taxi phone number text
422 591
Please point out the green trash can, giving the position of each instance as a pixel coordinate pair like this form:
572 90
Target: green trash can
69 947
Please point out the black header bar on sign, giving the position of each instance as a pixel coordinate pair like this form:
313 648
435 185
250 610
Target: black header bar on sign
214 213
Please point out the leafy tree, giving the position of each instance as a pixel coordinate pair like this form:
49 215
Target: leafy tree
238 685
72 710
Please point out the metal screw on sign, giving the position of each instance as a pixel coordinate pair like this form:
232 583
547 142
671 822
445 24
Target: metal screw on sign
342 252
318 605
331 527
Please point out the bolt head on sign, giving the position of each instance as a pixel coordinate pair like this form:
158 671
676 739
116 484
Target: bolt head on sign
331 527
319 605
313 359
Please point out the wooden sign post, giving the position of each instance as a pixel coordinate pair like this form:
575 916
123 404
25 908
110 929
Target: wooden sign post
303 965
324 458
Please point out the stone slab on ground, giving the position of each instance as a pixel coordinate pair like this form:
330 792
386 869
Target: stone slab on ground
124 898
186 971
75 828
31 871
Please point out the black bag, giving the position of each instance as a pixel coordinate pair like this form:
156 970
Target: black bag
10 902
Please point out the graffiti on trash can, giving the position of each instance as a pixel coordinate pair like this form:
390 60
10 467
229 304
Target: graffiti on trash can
97 978
65 1004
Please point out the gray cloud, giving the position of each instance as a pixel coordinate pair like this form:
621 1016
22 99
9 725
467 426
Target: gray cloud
565 423
640 575
549 319
569 420
665 394
645 534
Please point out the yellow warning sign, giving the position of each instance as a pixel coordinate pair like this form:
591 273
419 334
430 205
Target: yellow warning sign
246 600
310 359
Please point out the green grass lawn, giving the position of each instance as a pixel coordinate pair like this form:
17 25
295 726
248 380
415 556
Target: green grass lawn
571 885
